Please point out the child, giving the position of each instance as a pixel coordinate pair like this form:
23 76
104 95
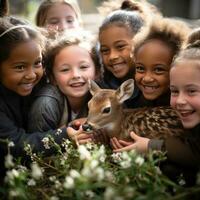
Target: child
58 15
20 71
69 64
155 46
183 153
115 38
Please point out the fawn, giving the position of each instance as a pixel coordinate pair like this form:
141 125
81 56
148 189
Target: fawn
106 112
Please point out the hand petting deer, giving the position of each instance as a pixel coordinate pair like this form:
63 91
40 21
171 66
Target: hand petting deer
106 112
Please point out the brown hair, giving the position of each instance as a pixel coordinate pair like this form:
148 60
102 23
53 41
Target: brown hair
46 4
71 37
170 31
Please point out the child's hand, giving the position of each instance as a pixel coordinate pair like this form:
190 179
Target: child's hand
140 144
79 136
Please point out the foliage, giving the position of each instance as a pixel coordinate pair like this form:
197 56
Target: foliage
90 171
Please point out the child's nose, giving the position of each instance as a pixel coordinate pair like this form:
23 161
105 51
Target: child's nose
76 73
31 74
113 54
181 99
148 77
63 25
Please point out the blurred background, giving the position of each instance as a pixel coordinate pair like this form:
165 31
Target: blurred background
188 10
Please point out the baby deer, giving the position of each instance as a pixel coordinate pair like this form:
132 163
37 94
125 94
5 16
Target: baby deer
106 112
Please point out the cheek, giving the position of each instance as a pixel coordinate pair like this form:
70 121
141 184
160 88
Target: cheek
40 73
138 77
60 79
173 101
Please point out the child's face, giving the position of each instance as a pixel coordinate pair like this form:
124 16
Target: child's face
61 16
185 92
73 66
116 49
23 69
152 62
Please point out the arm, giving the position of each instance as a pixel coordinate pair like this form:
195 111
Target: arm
44 114
181 151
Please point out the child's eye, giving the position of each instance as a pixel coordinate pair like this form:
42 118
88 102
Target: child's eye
20 67
53 21
104 51
121 46
139 69
84 66
159 70
191 91
174 92
38 64
70 21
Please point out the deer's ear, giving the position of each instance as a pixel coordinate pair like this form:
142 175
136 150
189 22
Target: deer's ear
125 91
93 87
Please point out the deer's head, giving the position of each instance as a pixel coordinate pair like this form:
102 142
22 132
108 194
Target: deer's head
105 106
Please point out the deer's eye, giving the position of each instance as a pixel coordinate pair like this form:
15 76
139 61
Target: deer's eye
106 110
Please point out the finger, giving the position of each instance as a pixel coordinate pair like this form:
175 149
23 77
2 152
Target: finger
113 145
134 136
116 143
84 141
84 136
127 148
125 143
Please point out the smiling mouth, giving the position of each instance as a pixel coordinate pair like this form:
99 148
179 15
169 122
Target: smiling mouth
77 84
150 89
186 113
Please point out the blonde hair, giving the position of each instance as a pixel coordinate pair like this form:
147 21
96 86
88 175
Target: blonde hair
46 4
191 50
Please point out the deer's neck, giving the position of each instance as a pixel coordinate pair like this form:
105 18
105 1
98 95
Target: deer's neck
114 128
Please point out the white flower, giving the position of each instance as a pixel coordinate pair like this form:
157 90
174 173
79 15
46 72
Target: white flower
45 141
69 182
94 164
9 161
89 194
126 160
58 132
31 182
74 174
84 153
52 178
54 198
99 172
109 194
139 160
11 144
116 157
36 171
87 172
14 193
11 175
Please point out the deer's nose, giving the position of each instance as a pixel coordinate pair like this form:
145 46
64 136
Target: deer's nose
87 127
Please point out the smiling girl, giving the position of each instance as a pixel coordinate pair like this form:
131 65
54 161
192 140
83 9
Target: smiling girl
155 48
69 65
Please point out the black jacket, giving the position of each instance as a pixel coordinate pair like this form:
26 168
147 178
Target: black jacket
13 125
51 110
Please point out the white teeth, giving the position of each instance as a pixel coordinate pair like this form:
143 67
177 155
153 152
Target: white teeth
77 84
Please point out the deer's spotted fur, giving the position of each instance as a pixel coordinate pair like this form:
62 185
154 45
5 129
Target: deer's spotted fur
105 111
